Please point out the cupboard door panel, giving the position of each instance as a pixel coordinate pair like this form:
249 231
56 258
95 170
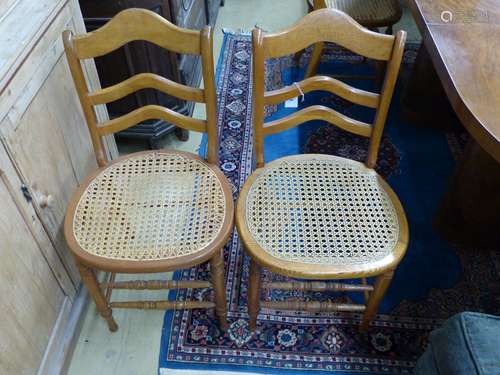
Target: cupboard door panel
30 294
46 142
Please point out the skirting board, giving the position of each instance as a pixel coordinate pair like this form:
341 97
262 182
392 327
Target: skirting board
62 341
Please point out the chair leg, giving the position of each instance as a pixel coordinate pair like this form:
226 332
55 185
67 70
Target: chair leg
217 270
381 284
315 59
253 294
90 281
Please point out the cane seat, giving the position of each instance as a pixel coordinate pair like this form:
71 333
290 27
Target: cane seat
321 210
148 206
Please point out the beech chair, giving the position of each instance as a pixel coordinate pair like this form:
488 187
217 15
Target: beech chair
322 217
371 14
153 211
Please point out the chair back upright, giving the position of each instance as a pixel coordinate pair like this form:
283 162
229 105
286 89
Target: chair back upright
141 24
325 25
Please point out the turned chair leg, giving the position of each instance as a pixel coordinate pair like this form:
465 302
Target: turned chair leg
315 59
217 270
90 281
381 284
253 294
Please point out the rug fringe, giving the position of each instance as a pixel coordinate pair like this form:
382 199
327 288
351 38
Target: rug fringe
168 371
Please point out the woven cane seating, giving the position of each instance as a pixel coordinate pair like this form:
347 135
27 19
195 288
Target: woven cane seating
321 217
150 206
152 211
321 209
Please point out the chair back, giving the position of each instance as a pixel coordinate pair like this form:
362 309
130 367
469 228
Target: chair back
325 25
141 24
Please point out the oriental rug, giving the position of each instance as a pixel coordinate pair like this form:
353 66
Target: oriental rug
434 281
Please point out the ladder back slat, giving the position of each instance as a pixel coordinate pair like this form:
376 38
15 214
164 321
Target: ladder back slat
318 112
150 112
146 81
323 83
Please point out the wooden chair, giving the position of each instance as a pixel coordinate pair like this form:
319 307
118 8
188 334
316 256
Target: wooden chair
322 217
153 211
368 13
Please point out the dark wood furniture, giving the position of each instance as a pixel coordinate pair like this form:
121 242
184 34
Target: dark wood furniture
462 39
141 57
152 211
322 217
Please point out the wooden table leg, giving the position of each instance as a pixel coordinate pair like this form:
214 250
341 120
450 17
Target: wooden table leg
469 212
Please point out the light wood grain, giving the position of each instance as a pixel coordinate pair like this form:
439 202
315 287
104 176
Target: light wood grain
312 306
317 286
149 112
44 147
318 112
39 147
376 14
317 27
323 83
31 296
143 81
19 34
141 25
465 53
155 284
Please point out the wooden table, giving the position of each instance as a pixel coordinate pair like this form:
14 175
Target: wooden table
462 38
466 54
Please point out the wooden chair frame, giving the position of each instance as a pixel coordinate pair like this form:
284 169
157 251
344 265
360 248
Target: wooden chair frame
318 47
127 26
324 25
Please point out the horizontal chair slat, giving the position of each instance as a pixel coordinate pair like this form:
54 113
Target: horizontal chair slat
163 305
317 286
156 284
323 83
141 24
146 81
150 112
312 306
318 112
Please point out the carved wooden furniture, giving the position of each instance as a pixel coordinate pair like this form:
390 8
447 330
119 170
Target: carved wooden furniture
463 45
153 211
314 216
371 14
41 124
142 57
136 57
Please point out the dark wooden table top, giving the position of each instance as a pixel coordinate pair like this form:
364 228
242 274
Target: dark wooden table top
463 40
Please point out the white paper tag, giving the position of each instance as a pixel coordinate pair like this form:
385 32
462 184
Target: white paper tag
292 103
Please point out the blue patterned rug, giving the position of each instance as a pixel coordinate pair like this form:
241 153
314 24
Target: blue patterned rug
434 281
